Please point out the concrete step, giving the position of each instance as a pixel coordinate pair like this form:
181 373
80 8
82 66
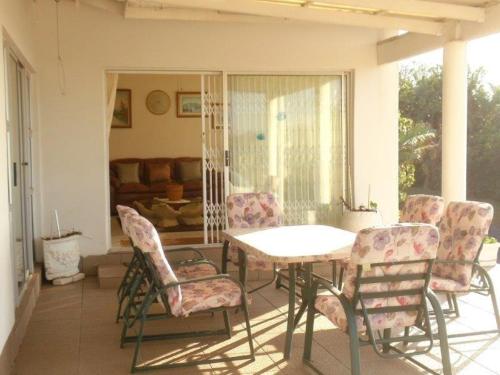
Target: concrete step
110 275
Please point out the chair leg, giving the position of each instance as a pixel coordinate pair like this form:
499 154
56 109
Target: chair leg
227 323
354 347
309 333
387 334
137 346
442 334
249 330
455 304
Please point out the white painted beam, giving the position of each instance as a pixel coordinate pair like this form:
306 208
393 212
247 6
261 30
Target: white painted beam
412 44
107 5
311 14
405 46
417 8
183 14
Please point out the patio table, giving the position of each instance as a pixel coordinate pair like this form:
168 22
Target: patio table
294 245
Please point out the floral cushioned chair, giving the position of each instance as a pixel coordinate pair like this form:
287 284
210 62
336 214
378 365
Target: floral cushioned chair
189 268
386 289
456 269
216 293
419 208
422 208
252 210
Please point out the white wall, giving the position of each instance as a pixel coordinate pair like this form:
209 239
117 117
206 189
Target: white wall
74 137
16 20
156 135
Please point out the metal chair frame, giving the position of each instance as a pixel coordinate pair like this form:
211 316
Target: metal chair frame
137 311
383 342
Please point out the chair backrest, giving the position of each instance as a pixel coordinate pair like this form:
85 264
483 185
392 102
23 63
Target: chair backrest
253 210
123 213
422 208
146 238
398 259
462 231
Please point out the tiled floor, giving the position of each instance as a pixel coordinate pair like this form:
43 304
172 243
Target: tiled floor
73 332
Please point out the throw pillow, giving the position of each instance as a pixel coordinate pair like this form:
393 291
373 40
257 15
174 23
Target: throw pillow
191 210
128 172
190 170
158 172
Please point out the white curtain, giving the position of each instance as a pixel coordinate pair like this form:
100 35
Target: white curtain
111 86
287 136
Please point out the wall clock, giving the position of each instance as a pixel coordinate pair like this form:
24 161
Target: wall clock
158 102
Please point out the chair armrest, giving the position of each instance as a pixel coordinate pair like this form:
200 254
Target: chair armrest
114 181
184 249
193 262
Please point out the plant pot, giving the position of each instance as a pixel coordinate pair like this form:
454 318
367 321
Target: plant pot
354 221
175 192
61 257
489 254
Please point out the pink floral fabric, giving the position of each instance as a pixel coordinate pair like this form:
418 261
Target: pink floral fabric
462 232
145 237
449 285
401 242
194 271
123 213
204 295
253 210
422 208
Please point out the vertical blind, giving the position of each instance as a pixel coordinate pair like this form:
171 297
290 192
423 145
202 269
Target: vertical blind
287 135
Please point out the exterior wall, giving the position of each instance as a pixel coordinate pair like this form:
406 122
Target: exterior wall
156 135
75 157
16 21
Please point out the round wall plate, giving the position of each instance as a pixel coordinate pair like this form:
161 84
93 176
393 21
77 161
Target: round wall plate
158 102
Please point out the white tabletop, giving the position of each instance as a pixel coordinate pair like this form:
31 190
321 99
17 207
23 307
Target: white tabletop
293 244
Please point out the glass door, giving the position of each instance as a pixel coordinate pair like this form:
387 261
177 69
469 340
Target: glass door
19 168
287 135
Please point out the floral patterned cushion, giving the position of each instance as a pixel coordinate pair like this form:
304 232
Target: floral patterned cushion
331 307
447 285
253 210
204 295
123 212
194 271
401 242
422 208
145 237
462 232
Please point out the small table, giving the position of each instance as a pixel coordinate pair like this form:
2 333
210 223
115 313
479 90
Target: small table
306 244
174 204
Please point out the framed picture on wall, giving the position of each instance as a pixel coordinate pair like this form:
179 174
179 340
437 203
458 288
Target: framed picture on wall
188 104
122 113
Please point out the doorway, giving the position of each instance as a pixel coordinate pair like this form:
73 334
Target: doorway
19 166
166 155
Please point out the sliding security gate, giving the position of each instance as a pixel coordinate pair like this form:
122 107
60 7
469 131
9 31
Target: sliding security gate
214 144
287 135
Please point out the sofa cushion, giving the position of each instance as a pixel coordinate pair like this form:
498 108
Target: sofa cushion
133 188
193 185
190 170
128 172
159 187
158 172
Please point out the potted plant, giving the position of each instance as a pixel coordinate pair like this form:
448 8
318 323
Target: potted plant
61 256
354 219
489 252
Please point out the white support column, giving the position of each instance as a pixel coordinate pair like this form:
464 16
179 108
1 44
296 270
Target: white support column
454 133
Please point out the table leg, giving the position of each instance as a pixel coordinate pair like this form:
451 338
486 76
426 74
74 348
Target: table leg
242 265
306 292
291 310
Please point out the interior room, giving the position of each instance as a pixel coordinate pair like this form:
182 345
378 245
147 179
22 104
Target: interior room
155 148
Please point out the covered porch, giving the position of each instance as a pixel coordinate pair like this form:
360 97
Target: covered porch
69 46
